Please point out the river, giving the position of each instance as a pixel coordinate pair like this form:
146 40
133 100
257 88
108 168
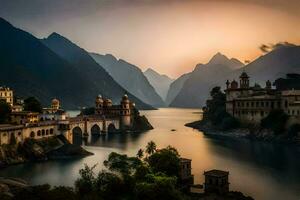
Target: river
262 170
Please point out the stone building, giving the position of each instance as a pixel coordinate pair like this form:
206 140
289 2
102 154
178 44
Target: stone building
250 104
216 181
6 94
124 111
185 173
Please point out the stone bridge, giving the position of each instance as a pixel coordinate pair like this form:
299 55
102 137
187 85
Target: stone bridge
86 127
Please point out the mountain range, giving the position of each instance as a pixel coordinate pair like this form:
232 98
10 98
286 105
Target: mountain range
270 66
54 67
130 77
160 82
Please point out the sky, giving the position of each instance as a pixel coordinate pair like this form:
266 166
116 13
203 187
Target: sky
170 36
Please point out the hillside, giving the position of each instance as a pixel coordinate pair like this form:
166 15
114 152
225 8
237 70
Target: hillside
175 87
32 69
196 88
130 77
160 82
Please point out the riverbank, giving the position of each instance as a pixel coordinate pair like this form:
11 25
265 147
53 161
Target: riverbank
253 133
51 148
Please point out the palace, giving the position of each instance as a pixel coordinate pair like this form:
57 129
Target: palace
252 104
52 121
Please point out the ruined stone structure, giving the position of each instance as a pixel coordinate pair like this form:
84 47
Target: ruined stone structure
216 181
251 104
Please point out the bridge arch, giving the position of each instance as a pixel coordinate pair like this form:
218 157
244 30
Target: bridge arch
77 135
95 130
111 128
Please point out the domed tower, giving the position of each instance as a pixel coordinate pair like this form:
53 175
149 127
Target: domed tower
55 105
125 112
268 85
99 105
244 80
234 85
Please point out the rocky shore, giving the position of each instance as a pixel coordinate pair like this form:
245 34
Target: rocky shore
253 133
56 147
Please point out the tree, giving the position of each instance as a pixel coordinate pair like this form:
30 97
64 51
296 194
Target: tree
166 161
158 187
276 121
150 148
32 104
5 111
85 183
109 185
140 153
122 163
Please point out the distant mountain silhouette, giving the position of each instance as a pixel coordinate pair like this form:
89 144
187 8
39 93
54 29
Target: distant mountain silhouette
161 83
176 87
130 77
273 65
32 69
196 88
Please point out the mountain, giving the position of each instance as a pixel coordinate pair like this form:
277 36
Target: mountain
32 69
130 77
195 89
175 87
160 82
275 64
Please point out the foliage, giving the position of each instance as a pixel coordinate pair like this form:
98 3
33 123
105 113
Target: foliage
151 147
32 104
140 153
215 111
276 121
85 183
5 111
293 130
122 163
166 161
158 187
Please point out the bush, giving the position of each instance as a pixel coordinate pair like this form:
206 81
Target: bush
294 130
276 121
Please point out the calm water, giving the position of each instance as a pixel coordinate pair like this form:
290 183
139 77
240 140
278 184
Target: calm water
261 170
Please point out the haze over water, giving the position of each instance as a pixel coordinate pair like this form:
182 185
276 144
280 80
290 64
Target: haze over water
261 170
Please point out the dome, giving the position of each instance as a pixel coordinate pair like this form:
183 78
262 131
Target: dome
234 85
55 101
125 99
99 99
244 75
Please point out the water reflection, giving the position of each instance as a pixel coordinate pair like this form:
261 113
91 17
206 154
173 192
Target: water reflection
262 170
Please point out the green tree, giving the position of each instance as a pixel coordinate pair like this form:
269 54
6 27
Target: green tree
122 163
276 121
140 153
5 111
32 104
85 183
166 161
109 185
158 187
151 147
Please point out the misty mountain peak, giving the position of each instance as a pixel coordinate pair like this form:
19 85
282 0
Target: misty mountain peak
218 59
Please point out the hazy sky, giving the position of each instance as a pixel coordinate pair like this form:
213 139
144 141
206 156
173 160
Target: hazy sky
170 36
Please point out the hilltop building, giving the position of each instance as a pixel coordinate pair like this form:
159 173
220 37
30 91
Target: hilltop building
250 104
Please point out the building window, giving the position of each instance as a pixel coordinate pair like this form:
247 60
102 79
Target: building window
262 104
252 104
32 134
293 112
39 133
267 104
51 131
19 133
47 132
272 104
43 132
257 104
286 104
247 104
262 113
